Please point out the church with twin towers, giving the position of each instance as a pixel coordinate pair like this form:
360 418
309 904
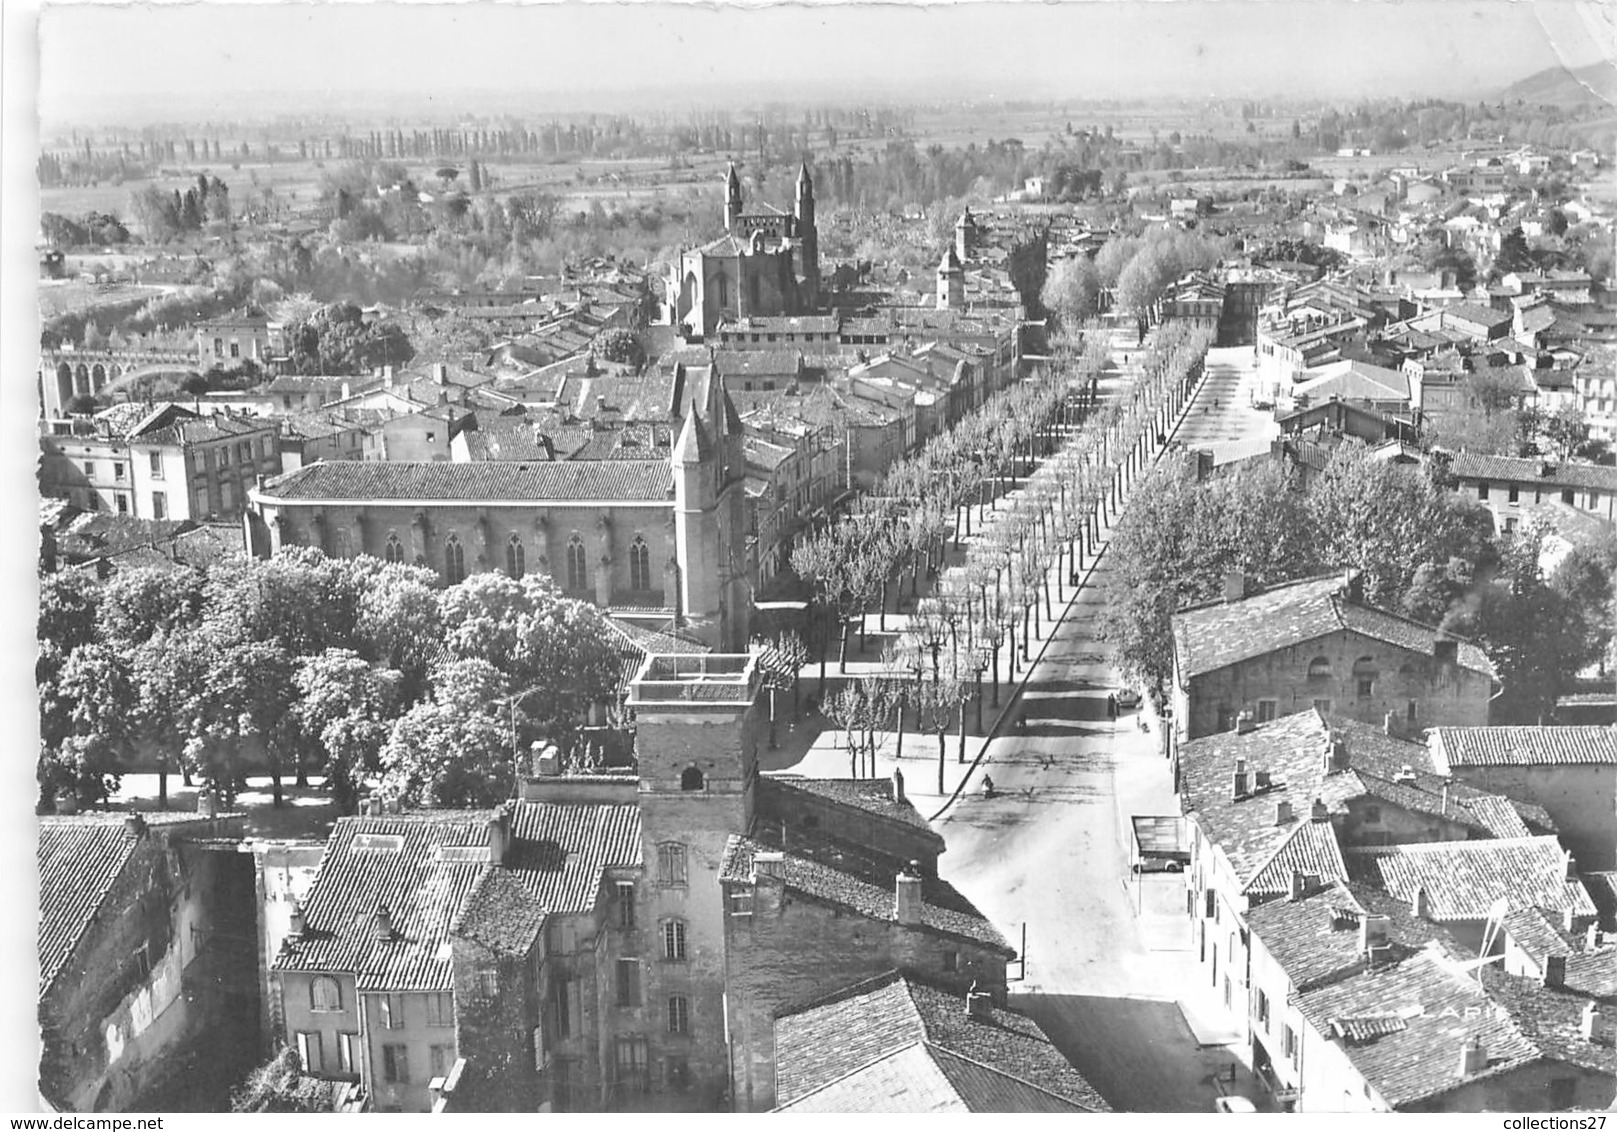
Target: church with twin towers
766 263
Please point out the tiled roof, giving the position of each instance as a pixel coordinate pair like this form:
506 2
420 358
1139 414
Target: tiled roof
1514 469
1310 848
923 1078
202 430
1440 1009
1463 879
508 438
501 915
1552 1020
1522 746
873 796
992 1059
1290 751
1218 634
393 861
1594 973
626 480
1356 381
79 860
836 874
1533 931
558 850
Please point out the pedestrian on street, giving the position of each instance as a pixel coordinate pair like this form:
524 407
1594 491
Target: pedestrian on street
1111 707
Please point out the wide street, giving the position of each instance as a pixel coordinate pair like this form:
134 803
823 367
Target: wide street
1109 972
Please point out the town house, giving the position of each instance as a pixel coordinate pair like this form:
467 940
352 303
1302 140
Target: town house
1315 642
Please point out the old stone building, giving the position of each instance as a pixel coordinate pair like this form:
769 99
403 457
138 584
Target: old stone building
650 540
1316 643
766 263
145 951
582 947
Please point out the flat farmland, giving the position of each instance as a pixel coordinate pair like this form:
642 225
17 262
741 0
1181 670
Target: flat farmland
70 296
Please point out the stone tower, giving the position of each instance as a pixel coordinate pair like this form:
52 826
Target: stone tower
808 235
965 234
698 476
732 199
698 730
951 283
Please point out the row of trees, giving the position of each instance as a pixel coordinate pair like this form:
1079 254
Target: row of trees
1137 271
1422 550
1072 458
299 664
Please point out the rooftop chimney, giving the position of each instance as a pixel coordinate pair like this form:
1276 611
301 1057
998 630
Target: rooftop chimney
383 923
549 763
298 923
1238 788
387 377
1245 723
1389 724
979 1003
1571 867
1589 1022
1353 587
1372 932
1299 884
1420 903
898 785
766 865
1283 814
907 895
499 834
1473 1057
135 825
1592 937
345 391
440 373
1336 754
1555 971
1405 775
1318 812
1235 585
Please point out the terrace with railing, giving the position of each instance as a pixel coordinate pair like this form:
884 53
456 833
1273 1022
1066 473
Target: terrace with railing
709 679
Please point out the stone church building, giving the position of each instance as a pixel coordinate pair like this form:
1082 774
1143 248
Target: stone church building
652 542
766 263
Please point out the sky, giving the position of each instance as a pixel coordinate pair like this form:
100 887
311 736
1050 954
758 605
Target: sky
190 57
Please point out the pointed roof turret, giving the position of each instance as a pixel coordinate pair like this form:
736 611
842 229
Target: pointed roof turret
693 446
732 179
803 178
951 262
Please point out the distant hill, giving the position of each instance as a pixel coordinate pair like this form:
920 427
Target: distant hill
1560 86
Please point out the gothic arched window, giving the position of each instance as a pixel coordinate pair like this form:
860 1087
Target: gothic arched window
516 559
639 564
578 567
454 560
394 550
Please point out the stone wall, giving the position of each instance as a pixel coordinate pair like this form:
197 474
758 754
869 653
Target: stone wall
1582 801
788 950
1445 695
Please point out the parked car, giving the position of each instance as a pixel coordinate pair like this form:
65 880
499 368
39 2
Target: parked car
1234 1103
1128 698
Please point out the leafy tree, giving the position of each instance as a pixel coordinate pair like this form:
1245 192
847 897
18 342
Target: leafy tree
620 345
554 652
1526 626
399 624
347 708
1587 581
280 1085
338 340
455 749
138 604
1071 288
